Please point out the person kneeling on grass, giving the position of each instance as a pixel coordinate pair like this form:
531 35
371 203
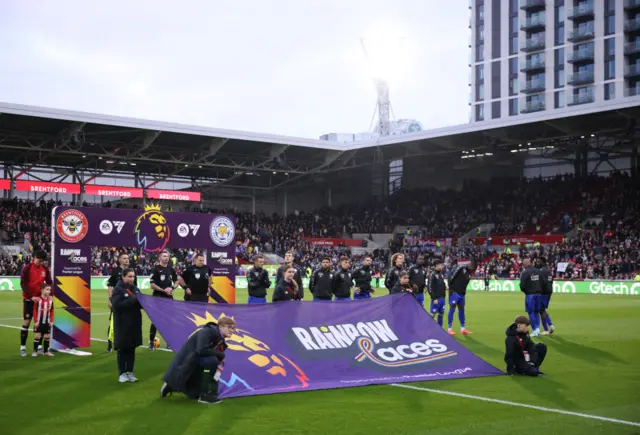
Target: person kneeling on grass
196 368
523 356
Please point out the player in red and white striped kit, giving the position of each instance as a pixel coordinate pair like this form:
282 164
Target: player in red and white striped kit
42 320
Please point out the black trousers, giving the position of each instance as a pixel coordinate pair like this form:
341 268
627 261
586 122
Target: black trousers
526 369
126 360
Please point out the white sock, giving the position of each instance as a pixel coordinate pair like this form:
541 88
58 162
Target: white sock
23 347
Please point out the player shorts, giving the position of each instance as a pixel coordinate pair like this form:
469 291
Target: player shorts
255 300
533 303
437 308
42 328
342 299
545 299
27 309
420 298
357 296
456 299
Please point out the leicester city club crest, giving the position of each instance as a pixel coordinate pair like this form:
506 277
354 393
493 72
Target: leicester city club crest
222 231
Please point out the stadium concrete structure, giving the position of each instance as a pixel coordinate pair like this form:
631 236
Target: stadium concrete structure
279 174
530 56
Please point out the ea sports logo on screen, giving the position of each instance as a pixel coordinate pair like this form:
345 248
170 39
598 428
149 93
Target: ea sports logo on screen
72 226
258 354
152 230
222 231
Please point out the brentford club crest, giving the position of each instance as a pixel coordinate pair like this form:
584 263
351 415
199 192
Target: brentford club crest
72 226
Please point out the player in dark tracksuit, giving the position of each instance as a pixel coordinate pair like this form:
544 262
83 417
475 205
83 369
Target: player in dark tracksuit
397 266
112 282
530 285
321 282
258 282
362 279
457 295
402 285
417 279
546 281
196 281
438 291
164 280
342 281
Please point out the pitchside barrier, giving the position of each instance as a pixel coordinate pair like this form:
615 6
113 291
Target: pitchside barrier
76 230
622 288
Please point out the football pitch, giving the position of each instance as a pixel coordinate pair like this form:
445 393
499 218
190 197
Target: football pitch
592 384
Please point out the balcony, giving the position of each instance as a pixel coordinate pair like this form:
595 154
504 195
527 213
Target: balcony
631 71
632 47
581 98
584 12
580 56
533 24
580 35
580 78
530 5
532 86
532 106
632 25
533 65
630 5
533 45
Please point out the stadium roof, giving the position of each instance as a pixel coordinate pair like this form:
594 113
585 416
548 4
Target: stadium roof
31 136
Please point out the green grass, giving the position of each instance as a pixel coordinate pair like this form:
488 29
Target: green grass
592 367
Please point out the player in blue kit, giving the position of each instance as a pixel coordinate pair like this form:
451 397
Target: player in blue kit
546 281
418 278
437 290
531 286
457 295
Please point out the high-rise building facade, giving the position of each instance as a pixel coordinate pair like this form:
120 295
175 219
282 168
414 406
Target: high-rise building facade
529 56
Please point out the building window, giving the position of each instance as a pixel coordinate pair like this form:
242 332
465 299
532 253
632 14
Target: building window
480 92
480 112
513 106
558 99
513 65
560 15
559 78
609 91
495 110
610 47
513 87
480 12
395 176
480 53
559 35
610 70
610 25
559 58
513 42
610 6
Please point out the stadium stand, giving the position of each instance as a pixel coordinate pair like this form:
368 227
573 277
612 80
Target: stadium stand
599 217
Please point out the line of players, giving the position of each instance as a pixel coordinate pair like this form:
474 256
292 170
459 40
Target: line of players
327 284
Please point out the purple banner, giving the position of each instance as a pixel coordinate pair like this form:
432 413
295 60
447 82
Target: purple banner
76 229
302 346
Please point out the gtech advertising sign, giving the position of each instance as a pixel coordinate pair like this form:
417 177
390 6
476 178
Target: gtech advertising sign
622 288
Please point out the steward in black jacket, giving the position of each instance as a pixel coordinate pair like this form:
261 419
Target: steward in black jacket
196 368
523 356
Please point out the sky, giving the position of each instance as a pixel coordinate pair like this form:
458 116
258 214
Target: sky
288 67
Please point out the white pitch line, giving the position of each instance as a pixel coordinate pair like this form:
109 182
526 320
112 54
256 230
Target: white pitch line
100 340
521 405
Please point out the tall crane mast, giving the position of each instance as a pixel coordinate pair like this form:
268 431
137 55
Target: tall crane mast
384 103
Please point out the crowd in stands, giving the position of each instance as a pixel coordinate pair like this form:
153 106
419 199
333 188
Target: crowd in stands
606 247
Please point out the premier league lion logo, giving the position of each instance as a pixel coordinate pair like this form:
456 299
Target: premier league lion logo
152 230
260 355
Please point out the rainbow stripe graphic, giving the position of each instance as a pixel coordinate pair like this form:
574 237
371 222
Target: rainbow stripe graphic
72 318
223 290
366 346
